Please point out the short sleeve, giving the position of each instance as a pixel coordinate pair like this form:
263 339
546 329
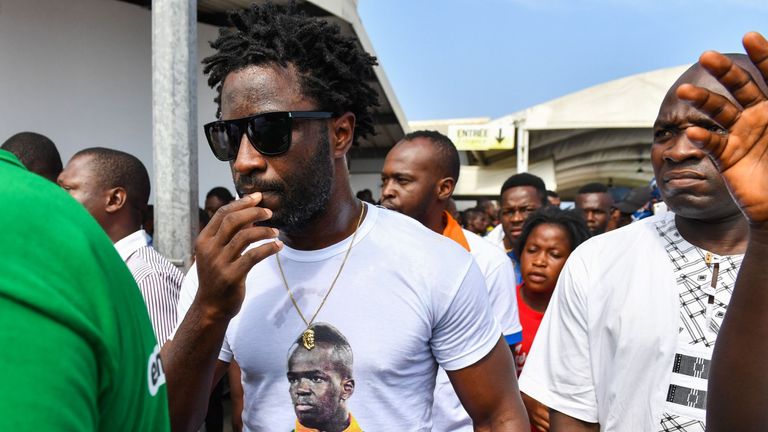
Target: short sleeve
225 354
501 293
467 331
186 297
558 371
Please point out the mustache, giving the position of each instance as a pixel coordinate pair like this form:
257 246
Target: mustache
247 184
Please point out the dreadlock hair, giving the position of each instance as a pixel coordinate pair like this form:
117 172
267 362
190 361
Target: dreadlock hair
36 152
333 69
114 168
446 156
569 220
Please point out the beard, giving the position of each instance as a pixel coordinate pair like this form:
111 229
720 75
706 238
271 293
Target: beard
304 196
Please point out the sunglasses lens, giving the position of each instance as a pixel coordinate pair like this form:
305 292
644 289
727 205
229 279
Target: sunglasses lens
270 135
224 138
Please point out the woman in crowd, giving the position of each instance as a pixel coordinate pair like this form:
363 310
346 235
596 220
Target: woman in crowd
548 238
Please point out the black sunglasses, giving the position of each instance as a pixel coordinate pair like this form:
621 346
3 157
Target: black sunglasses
268 133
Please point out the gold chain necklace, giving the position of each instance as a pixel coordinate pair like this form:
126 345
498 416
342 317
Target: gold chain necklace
308 337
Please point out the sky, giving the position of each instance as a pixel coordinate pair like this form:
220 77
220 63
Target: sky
489 58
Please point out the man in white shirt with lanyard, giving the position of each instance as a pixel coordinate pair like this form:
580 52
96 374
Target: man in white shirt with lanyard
627 340
294 95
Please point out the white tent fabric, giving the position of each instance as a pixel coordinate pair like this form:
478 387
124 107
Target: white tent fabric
628 102
602 133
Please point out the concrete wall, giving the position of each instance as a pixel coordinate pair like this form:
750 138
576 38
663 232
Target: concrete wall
80 72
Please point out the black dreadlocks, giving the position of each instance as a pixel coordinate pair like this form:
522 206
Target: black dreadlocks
333 69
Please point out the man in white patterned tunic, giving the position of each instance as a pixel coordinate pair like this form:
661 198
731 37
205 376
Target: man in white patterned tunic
627 340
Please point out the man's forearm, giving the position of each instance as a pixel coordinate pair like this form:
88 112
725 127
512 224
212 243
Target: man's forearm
512 421
738 385
189 361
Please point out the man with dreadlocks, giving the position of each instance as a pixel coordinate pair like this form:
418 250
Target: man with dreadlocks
293 97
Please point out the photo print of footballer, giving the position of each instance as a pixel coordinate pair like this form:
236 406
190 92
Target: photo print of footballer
321 381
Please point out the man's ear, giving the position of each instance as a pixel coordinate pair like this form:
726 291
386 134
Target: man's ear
445 187
347 388
116 199
342 134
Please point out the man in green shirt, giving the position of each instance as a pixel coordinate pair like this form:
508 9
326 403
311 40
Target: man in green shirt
78 352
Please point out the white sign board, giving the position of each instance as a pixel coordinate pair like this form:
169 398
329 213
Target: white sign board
474 137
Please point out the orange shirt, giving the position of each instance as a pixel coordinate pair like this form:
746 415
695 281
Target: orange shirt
353 426
453 231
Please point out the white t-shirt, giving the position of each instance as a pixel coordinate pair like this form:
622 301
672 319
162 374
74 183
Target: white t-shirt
496 237
610 346
407 300
499 273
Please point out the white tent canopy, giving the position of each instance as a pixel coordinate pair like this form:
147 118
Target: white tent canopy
630 102
602 133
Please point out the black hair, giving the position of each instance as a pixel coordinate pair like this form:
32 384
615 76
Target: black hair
553 194
333 69
447 155
202 218
342 352
114 168
527 179
365 195
593 188
474 211
222 193
36 152
571 221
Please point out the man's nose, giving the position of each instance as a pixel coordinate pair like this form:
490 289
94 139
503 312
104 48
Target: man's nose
302 387
248 159
387 191
681 149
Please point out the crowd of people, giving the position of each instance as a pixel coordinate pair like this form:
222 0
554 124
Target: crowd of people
606 313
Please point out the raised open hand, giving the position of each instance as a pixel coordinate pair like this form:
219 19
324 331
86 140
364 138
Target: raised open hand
741 153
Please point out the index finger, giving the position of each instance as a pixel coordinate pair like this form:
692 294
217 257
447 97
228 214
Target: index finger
251 200
757 50
716 106
736 80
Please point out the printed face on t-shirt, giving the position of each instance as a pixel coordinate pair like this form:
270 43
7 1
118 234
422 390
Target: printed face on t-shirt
320 384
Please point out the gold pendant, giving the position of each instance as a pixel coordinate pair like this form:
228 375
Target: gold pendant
308 339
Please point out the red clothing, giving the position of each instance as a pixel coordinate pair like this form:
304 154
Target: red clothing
530 320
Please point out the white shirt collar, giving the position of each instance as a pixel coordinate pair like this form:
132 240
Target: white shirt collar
127 245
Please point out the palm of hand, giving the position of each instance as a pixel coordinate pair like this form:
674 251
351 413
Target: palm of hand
744 162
